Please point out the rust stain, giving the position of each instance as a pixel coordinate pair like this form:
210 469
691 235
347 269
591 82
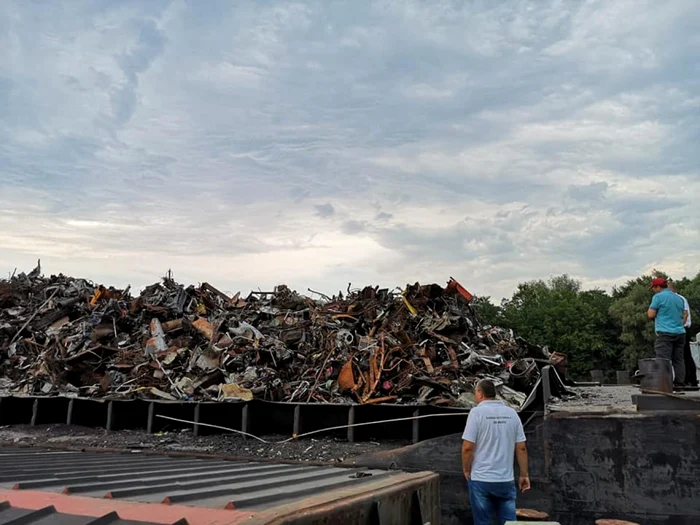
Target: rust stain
346 378
127 510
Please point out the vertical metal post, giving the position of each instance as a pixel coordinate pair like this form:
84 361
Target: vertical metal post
151 417
546 384
110 416
71 407
245 420
35 412
416 426
351 421
197 415
297 421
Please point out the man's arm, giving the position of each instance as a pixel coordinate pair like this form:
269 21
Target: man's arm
685 316
467 457
521 455
653 307
469 440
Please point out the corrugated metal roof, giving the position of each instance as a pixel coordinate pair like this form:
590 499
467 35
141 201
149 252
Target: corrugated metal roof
49 515
161 479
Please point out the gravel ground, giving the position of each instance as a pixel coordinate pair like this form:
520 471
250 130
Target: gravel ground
323 450
614 399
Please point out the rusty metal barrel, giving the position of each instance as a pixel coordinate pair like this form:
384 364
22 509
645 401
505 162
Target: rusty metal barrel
656 375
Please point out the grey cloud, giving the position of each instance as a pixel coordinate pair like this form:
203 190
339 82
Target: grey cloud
646 205
325 210
353 227
299 194
550 127
590 192
450 244
150 43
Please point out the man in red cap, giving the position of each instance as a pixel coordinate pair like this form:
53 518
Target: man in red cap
668 312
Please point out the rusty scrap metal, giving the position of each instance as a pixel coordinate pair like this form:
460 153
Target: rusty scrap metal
419 345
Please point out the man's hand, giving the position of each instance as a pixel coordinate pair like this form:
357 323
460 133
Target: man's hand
521 454
467 474
524 483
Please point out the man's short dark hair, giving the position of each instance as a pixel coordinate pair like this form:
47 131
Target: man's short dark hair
486 387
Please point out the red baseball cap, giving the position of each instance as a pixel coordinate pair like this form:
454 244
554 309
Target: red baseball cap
659 281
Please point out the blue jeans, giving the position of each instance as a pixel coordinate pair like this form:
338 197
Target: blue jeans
491 501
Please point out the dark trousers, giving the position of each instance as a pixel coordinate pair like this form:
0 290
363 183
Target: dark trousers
691 375
670 346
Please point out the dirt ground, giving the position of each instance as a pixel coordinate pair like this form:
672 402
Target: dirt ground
613 399
323 450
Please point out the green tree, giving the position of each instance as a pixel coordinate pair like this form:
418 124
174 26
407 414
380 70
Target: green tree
560 315
489 313
629 310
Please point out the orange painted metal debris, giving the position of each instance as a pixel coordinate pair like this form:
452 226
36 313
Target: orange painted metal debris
454 286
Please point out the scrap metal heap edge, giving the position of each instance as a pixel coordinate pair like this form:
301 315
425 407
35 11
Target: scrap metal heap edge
423 345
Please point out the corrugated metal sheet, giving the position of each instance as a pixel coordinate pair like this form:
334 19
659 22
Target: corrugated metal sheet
49 515
161 479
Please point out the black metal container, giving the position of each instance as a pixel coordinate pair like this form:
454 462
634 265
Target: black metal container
656 375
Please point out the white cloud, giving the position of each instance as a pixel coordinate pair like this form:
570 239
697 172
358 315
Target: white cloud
320 143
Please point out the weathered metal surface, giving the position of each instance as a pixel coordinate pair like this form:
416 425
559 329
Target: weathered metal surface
661 402
245 491
204 483
530 515
533 522
623 377
640 467
413 500
92 508
256 417
656 375
10 515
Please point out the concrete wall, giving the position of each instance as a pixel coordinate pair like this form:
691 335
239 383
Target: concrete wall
640 467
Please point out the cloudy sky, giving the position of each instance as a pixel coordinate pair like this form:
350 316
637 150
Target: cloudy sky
318 143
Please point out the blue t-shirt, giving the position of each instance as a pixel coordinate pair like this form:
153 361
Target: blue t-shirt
669 312
495 429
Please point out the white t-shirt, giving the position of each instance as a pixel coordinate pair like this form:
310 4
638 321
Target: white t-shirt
686 307
495 429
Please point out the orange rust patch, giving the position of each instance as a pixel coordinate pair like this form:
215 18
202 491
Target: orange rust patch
127 510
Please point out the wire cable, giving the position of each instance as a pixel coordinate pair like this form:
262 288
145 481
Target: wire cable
305 434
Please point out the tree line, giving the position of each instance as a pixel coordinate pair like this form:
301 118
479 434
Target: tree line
596 329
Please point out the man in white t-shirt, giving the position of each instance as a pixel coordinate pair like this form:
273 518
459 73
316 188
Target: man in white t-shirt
691 375
492 436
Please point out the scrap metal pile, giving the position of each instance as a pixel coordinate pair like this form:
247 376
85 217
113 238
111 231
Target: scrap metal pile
422 345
